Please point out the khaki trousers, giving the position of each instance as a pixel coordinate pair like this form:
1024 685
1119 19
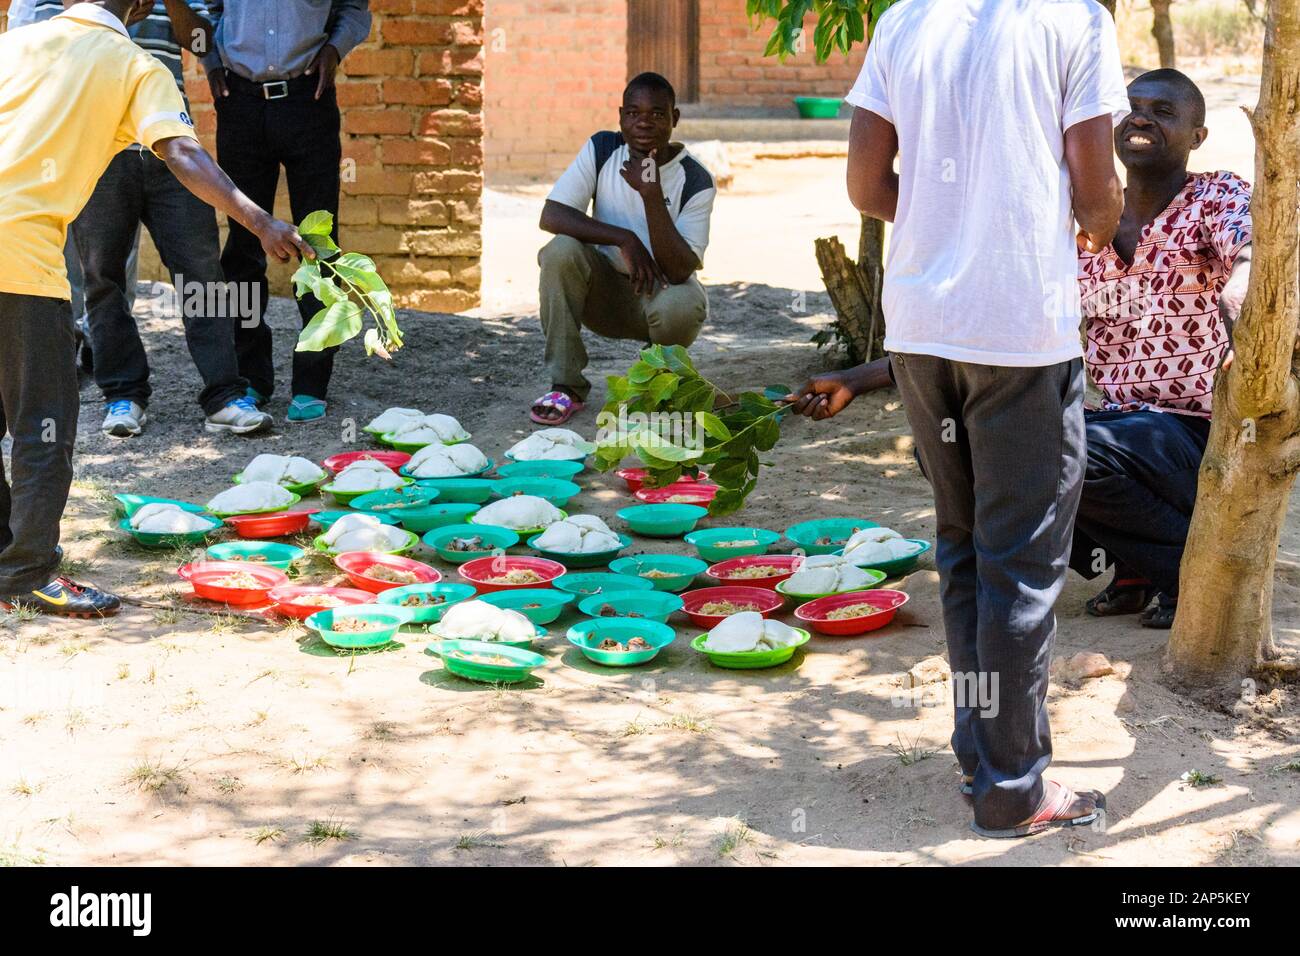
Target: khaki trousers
580 287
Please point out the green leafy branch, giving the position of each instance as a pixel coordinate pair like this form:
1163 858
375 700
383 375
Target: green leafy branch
840 24
349 288
675 421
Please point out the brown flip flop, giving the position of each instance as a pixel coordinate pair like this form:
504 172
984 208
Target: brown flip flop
1056 801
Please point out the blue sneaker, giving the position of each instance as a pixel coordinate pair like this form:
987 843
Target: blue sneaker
240 417
123 419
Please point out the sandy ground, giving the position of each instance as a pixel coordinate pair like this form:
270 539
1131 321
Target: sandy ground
170 736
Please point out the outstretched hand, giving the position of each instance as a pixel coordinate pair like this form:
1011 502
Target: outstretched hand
824 396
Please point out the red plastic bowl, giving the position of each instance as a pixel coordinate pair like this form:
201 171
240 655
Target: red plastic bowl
278 525
789 563
480 570
187 571
393 459
635 478
768 602
201 579
357 564
295 600
698 493
814 612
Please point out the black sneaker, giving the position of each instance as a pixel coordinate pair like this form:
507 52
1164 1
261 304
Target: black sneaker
65 598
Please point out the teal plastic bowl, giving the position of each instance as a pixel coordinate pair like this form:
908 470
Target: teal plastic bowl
327 518
638 605
540 605
682 570
585 584
709 542
557 491
149 539
662 521
541 469
475 491
268 554
825 535
129 504
585 559
392 619
451 593
440 514
395 500
588 635
900 565
345 498
493 536
520 666
405 472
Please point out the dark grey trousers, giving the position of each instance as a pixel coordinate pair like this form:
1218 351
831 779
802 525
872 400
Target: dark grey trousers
39 402
1003 449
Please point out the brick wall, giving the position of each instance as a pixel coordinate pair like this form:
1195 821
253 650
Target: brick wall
555 74
734 71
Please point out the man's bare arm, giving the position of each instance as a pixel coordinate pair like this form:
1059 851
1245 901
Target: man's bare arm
1097 193
873 184
199 173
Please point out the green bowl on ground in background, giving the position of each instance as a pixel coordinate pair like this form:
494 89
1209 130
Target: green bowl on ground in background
326 519
301 488
427 613
458 491
587 635
541 469
345 498
646 605
582 559
165 540
524 661
538 633
558 491
273 554
806 534
395 501
818 107
586 583
877 577
412 540
499 539
706 542
393 618
550 602
129 504
261 511
662 520
683 569
899 566
751 660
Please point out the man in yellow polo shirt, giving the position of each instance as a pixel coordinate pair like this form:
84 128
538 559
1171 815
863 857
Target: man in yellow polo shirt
74 91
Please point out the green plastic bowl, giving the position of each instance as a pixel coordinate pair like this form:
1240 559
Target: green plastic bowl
706 542
806 534
272 554
346 498
458 491
395 501
541 469
150 539
302 488
393 618
817 107
683 569
662 521
326 519
129 504
585 584
261 511
497 537
585 559
899 565
427 613
525 661
587 635
412 539
751 660
876 578
646 605
440 514
558 491
540 632
522 531
550 602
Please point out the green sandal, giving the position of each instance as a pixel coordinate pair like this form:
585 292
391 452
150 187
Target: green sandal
304 408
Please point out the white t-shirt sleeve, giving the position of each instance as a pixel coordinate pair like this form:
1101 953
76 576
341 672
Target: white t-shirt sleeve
1094 74
576 187
693 223
871 91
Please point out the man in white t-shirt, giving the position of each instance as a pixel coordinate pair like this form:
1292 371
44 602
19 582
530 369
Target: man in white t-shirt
1001 117
627 269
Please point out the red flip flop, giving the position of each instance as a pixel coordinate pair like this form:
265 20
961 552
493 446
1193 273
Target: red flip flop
1056 801
566 405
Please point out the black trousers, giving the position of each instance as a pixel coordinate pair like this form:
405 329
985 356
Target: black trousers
138 188
38 408
255 137
1139 490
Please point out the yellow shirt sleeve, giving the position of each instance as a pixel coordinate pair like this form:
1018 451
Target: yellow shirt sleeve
156 110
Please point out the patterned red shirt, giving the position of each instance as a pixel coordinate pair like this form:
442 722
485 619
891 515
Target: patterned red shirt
1154 335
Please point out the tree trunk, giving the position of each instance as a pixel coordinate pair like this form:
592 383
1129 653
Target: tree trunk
1162 28
1223 629
853 310
871 266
